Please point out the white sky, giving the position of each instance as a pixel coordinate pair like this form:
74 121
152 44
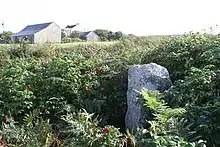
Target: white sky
139 17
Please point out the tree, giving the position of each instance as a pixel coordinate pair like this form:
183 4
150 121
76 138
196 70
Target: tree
6 36
103 34
75 34
111 36
106 35
63 35
118 35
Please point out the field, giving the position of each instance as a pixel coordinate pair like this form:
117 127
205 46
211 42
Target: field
68 45
75 94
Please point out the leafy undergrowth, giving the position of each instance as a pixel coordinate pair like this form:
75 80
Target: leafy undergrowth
82 129
193 63
76 96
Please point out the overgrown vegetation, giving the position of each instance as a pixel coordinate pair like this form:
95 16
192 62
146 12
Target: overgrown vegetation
104 35
76 96
5 37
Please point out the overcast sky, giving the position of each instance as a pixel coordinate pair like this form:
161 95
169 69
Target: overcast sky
140 17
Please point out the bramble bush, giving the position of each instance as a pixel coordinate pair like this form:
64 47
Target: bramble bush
64 83
179 54
68 81
193 63
59 82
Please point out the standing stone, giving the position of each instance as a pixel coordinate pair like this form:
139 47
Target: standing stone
150 76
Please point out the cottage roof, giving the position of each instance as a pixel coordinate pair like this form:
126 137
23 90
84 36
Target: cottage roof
32 29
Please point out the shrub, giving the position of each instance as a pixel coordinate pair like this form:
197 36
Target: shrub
20 50
198 88
198 93
65 81
193 61
65 84
15 94
179 54
35 132
69 40
83 130
61 81
165 128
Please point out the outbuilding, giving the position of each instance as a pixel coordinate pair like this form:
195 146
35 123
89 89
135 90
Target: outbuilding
39 33
90 36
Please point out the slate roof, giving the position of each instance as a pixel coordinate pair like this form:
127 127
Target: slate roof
85 33
32 29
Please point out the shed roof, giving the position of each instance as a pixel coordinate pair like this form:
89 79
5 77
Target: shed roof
32 29
85 33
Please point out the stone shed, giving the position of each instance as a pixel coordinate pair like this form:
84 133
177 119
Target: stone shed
39 33
90 36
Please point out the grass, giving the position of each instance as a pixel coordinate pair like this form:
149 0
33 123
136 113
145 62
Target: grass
49 50
67 45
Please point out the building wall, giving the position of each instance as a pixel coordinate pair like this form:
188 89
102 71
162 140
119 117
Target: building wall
92 37
50 34
14 39
29 38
